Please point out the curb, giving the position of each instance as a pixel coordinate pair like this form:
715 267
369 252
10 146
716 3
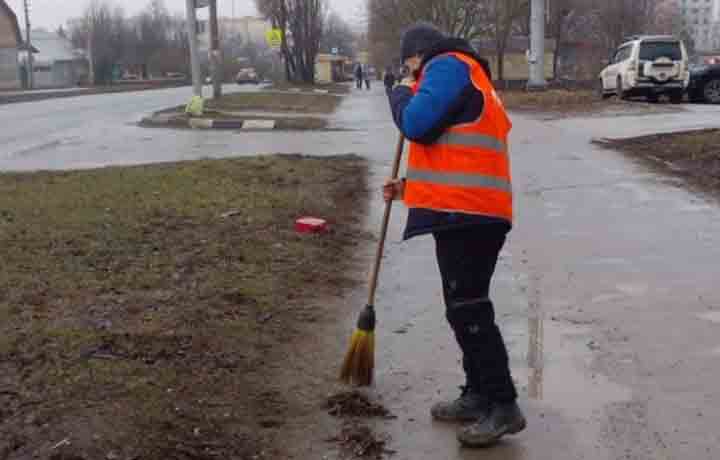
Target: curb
205 123
201 123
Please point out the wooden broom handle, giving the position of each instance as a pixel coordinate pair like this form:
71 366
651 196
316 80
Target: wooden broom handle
385 223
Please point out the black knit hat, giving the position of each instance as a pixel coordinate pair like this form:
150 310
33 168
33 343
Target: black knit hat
419 38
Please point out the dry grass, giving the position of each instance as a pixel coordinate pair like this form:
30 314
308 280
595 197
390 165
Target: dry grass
335 88
579 102
277 102
550 100
138 322
693 156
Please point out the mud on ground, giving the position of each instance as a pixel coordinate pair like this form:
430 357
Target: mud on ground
692 156
147 312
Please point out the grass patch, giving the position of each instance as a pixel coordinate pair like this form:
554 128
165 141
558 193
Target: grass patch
579 102
693 156
335 88
138 318
277 102
550 100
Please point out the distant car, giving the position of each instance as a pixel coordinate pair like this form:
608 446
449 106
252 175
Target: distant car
648 66
247 76
705 83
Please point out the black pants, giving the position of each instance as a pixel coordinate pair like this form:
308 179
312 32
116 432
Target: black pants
467 260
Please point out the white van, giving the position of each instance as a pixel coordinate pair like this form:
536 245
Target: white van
648 66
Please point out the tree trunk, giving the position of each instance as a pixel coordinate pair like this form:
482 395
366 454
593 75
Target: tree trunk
558 48
501 66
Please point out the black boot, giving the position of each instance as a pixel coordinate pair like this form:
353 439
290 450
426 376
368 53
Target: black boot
469 407
504 419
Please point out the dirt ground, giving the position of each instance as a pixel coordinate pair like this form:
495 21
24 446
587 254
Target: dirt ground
692 156
560 102
163 312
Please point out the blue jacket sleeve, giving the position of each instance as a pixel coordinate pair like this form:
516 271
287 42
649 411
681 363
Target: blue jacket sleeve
444 82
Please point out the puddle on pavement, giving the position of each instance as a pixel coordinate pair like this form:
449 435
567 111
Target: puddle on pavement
633 290
604 261
713 316
556 356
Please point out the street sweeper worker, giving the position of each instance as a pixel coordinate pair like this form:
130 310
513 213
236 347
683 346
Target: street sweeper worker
458 189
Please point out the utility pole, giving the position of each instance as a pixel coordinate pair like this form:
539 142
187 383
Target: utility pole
28 44
194 58
215 56
537 47
90 56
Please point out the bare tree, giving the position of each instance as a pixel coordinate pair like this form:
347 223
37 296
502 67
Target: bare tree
459 18
505 18
338 34
496 20
301 24
152 41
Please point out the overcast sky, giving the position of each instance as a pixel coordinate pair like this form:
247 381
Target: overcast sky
52 13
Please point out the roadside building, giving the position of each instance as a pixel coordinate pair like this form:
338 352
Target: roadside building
10 41
56 64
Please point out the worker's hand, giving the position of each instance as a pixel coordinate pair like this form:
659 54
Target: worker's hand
408 81
394 189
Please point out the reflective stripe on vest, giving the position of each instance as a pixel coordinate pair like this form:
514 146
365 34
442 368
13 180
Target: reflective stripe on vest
473 140
467 169
460 179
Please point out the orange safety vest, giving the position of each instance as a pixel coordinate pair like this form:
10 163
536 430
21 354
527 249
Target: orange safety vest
467 169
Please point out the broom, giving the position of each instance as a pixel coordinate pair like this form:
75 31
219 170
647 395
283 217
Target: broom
359 363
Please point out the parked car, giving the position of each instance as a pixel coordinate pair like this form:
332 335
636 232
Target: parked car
705 84
247 76
647 66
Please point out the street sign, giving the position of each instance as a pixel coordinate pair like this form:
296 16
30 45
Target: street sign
335 51
202 3
274 38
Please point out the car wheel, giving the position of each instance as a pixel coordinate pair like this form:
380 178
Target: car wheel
676 97
696 97
621 94
601 91
711 91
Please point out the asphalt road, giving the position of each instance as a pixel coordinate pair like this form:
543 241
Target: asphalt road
91 131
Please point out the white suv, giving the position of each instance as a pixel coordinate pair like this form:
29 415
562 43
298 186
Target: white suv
647 66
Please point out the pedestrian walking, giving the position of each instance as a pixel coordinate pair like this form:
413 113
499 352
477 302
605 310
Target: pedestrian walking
458 188
359 76
389 80
366 76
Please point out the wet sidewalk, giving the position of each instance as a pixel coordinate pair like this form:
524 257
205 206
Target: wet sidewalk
605 293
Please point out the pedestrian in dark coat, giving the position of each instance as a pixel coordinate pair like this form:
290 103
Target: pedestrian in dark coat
389 80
